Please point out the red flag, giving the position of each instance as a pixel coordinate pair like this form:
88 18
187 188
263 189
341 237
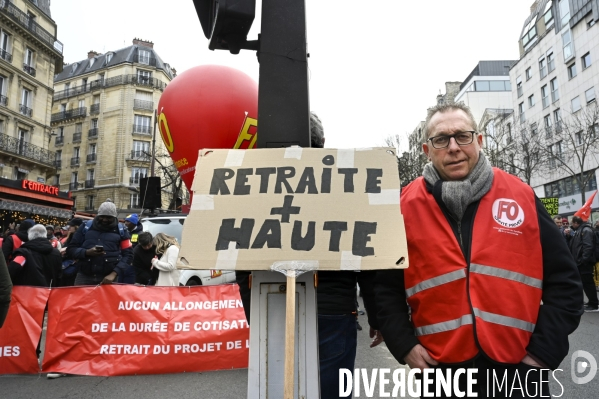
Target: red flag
585 211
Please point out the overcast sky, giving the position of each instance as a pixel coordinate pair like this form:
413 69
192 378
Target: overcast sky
375 67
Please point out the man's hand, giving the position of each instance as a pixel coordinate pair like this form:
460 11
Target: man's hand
378 337
532 362
109 279
93 252
419 358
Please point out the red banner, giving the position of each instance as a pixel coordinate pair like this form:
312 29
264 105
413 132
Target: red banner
113 330
22 330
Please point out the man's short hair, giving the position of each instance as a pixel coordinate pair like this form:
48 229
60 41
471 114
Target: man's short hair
442 108
316 131
576 219
144 238
37 231
557 217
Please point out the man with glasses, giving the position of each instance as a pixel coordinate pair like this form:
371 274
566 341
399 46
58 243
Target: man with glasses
490 283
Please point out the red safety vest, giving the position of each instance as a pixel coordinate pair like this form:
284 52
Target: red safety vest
490 304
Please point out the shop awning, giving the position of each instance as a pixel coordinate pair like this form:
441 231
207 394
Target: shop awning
35 209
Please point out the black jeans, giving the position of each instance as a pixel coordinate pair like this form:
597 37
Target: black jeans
494 380
588 284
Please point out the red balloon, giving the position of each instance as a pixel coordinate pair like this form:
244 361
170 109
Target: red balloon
208 106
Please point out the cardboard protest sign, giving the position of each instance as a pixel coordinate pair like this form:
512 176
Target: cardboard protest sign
320 209
22 330
124 330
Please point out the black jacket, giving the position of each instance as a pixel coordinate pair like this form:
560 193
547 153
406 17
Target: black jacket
117 257
559 314
142 262
43 264
8 243
582 246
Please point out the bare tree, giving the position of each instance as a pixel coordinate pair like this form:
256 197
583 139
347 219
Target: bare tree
171 181
572 145
410 163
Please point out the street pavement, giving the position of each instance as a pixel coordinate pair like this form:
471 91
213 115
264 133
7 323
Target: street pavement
233 383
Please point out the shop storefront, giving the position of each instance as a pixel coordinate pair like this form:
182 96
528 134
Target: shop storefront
26 199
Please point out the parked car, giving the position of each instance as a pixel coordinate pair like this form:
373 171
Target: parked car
173 226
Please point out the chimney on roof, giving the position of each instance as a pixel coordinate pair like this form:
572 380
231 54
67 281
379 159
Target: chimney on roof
141 42
174 72
534 6
91 54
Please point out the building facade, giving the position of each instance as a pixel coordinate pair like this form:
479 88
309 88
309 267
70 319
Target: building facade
554 104
103 118
30 56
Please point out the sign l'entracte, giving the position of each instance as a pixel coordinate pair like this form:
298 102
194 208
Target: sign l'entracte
333 209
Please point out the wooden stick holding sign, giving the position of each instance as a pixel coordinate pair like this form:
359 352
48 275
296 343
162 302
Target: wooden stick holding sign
290 337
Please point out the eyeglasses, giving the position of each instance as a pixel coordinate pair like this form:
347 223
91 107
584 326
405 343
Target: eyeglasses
461 138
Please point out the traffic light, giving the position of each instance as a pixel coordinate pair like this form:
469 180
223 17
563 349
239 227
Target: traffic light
227 23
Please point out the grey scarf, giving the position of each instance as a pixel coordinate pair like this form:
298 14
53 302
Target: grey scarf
458 194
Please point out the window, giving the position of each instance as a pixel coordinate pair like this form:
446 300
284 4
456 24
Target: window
92 149
548 15
482 85
89 202
530 32
29 57
59 155
528 73
26 100
140 148
138 173
567 45
61 131
76 152
109 57
543 67
144 57
519 85
554 90
5 46
547 123
550 60
142 124
20 173
572 71
22 141
534 129
557 117
74 177
521 112
78 127
590 23
3 90
143 76
531 101
545 96
590 95
564 11
578 137
57 180
90 174
586 61
91 62
74 67
575 104
81 103
134 200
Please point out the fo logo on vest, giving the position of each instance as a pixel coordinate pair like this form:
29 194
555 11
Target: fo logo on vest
507 213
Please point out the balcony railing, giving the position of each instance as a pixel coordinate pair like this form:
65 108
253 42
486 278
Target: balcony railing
70 92
94 109
59 140
90 183
75 161
5 55
29 69
73 186
26 150
558 127
77 137
91 158
4 101
21 18
142 129
548 132
139 80
143 105
25 110
92 133
72 113
138 155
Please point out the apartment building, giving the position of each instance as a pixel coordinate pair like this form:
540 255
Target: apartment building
555 81
104 124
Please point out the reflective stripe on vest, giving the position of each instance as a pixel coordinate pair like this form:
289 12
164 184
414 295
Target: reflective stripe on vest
497 296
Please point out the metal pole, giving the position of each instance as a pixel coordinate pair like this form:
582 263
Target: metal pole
153 161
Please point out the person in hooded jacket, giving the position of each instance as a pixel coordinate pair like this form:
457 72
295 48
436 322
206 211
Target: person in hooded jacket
14 241
135 227
102 247
36 263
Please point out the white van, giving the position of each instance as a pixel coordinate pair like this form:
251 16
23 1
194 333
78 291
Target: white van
173 226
